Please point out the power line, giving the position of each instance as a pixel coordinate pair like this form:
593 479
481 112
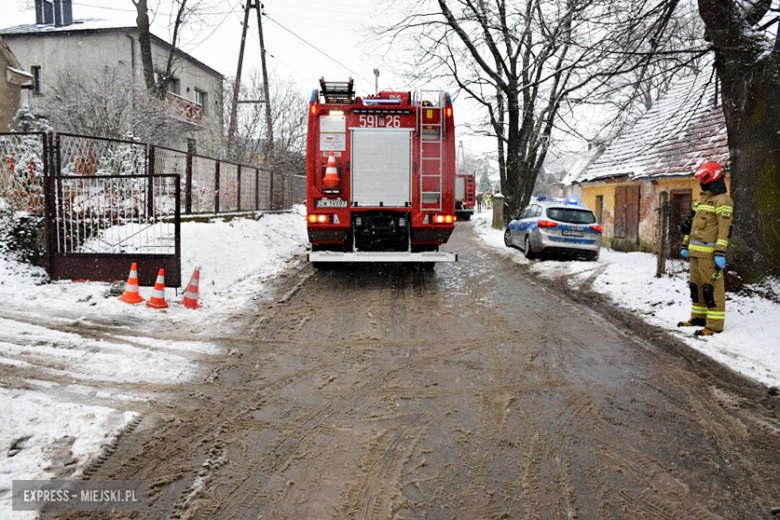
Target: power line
257 39
232 10
319 50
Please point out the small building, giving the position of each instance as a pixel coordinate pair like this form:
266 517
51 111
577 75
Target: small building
656 158
15 87
57 44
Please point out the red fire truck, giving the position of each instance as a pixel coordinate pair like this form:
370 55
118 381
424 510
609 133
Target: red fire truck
380 176
465 195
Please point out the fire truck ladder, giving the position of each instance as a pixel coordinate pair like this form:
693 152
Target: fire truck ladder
431 148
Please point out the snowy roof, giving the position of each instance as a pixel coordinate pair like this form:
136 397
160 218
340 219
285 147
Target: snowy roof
683 129
90 25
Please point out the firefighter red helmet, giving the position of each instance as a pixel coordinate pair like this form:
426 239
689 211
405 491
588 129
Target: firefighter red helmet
708 172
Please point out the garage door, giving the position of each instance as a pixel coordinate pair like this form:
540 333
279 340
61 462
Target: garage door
381 167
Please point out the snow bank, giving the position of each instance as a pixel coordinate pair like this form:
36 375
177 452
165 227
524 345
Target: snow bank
234 258
748 344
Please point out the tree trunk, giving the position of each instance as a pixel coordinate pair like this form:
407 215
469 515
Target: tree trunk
751 102
145 41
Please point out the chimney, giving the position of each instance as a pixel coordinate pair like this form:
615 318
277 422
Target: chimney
44 12
63 13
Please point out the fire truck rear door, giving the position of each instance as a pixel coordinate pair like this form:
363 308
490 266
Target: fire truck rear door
382 167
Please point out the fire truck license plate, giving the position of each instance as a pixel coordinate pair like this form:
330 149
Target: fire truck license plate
331 203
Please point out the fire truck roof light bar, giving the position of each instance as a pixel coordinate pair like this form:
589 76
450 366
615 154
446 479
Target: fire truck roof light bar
383 256
370 102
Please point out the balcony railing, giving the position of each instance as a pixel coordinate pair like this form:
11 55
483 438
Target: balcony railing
186 109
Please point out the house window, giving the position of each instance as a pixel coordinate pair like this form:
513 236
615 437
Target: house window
37 80
200 98
173 85
600 208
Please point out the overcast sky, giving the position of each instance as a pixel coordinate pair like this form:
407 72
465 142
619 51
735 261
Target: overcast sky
334 27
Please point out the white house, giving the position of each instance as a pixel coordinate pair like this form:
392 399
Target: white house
57 43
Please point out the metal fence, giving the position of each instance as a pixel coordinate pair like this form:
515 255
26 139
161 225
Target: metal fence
106 209
212 186
668 259
109 202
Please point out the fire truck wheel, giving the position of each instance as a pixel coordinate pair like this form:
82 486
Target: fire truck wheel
428 266
322 266
466 216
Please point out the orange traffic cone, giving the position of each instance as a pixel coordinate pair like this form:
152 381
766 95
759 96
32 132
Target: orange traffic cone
157 301
131 294
331 181
191 294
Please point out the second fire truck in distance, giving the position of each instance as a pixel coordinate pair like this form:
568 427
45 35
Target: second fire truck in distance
465 195
380 176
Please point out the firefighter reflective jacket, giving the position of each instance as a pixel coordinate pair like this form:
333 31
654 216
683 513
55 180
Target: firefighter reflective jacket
711 226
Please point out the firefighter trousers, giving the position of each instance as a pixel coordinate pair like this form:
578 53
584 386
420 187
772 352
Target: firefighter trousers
708 292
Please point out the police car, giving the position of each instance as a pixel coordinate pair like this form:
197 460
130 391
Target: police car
555 226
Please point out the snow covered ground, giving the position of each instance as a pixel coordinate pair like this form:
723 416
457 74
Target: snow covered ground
76 366
748 344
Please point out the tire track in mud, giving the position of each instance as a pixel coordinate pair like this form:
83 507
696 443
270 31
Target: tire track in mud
469 393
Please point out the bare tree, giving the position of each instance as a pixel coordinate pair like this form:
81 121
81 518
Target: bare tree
524 61
747 52
288 115
157 79
107 104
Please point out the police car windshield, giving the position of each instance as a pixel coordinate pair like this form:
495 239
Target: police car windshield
571 216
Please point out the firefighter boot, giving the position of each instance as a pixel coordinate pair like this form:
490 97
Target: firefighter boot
706 331
698 309
695 322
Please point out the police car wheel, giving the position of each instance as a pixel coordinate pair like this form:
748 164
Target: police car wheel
508 238
529 253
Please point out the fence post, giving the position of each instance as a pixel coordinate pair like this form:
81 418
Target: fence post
663 232
271 192
177 225
238 189
49 198
216 188
150 164
257 189
188 186
498 211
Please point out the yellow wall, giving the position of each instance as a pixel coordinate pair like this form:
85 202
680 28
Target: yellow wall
649 191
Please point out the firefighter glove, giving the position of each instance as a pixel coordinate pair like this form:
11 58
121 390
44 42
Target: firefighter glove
684 253
686 226
720 261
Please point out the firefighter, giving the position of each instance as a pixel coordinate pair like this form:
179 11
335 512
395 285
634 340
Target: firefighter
707 231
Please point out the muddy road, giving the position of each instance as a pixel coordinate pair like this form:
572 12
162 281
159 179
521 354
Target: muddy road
469 392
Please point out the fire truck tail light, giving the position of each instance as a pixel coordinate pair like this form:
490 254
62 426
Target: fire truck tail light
318 219
313 108
449 111
443 219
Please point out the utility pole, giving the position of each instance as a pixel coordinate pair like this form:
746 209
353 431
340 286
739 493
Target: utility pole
237 88
269 144
376 81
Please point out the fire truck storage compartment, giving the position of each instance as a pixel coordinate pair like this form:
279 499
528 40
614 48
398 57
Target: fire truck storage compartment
460 188
381 167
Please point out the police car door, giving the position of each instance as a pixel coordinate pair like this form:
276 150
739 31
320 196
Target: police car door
515 226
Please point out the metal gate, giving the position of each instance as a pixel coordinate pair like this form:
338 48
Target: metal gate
106 210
